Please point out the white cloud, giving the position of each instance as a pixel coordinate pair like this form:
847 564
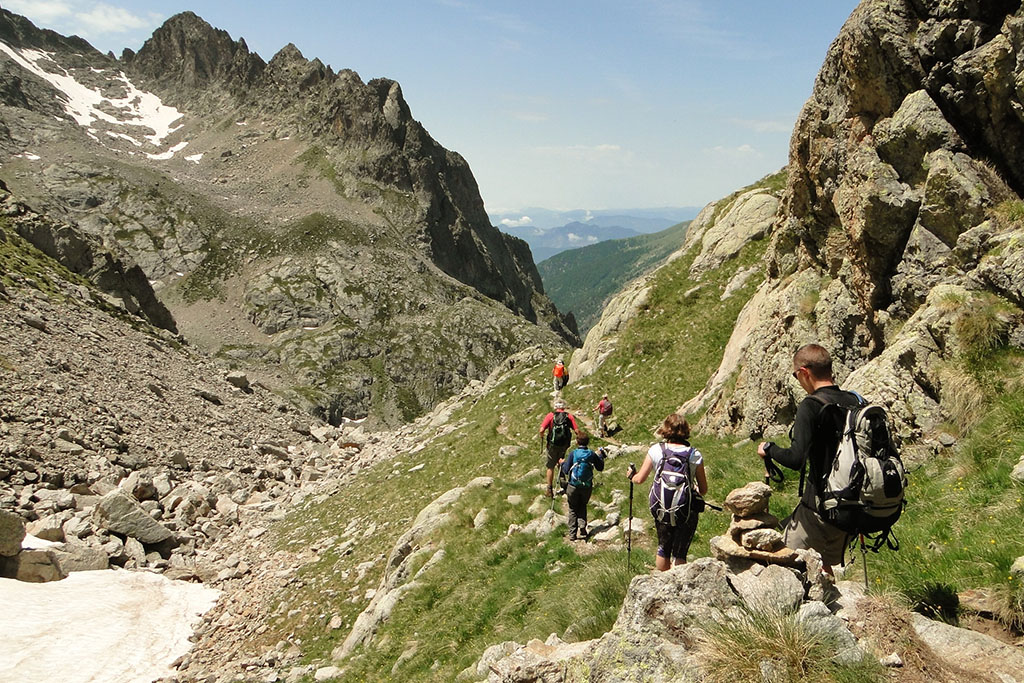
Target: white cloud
516 222
104 18
85 18
575 239
39 10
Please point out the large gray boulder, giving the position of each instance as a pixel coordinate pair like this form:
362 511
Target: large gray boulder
12 532
748 217
118 512
667 603
37 566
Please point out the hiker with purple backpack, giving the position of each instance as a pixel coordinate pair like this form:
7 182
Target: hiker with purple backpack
677 490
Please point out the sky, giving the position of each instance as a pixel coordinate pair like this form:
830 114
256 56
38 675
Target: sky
572 104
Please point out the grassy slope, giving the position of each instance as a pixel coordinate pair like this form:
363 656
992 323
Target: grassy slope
961 529
581 280
490 587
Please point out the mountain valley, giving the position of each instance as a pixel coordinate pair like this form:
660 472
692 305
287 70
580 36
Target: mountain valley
259 334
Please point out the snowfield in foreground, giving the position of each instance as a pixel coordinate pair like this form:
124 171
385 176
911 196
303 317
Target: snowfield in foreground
114 626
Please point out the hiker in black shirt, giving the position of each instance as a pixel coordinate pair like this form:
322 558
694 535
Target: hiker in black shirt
812 442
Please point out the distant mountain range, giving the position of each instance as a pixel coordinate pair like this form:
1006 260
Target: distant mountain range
550 232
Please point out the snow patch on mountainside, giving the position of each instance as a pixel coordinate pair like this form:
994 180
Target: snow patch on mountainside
138 109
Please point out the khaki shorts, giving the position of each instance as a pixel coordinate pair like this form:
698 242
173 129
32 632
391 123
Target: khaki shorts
806 529
554 453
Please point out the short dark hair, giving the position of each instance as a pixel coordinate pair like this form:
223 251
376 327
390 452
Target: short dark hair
675 428
583 439
815 358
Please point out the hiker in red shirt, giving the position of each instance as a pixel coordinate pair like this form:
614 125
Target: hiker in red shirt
560 426
604 411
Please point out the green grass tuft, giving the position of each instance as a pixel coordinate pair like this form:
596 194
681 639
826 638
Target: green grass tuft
765 645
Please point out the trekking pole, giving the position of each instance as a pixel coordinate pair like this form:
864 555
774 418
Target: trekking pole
629 522
772 472
864 559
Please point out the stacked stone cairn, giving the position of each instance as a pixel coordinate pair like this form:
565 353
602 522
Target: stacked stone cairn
753 534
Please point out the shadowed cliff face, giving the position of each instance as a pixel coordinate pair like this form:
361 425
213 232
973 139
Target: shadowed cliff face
911 139
293 219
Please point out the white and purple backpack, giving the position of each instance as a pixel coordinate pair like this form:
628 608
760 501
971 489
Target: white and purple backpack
671 490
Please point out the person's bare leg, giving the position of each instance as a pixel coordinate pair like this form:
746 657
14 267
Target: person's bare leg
660 563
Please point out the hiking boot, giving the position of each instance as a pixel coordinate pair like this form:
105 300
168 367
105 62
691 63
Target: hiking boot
550 493
572 539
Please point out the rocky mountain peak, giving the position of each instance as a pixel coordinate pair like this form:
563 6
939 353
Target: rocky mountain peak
288 67
188 51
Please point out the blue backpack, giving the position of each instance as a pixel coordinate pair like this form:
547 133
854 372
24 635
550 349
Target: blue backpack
581 472
672 489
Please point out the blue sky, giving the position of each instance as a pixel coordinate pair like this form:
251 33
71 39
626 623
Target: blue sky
600 104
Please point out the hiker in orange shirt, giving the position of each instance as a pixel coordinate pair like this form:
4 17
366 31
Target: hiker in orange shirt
560 375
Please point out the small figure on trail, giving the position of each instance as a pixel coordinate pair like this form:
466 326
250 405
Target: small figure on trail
560 426
813 442
604 411
582 463
676 497
559 375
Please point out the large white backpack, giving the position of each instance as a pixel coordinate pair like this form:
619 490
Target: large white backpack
862 490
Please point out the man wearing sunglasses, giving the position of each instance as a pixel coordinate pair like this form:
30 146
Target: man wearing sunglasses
813 441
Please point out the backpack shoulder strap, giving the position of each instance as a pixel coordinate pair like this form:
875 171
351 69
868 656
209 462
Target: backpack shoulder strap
825 403
661 463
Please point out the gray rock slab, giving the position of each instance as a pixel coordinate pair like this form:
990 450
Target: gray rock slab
117 512
771 588
817 618
970 649
80 558
38 566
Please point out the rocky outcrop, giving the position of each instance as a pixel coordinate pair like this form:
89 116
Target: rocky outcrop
716 235
662 623
602 339
895 177
723 228
125 283
186 52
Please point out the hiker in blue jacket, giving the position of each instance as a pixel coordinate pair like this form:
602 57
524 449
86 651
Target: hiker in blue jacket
581 464
674 539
